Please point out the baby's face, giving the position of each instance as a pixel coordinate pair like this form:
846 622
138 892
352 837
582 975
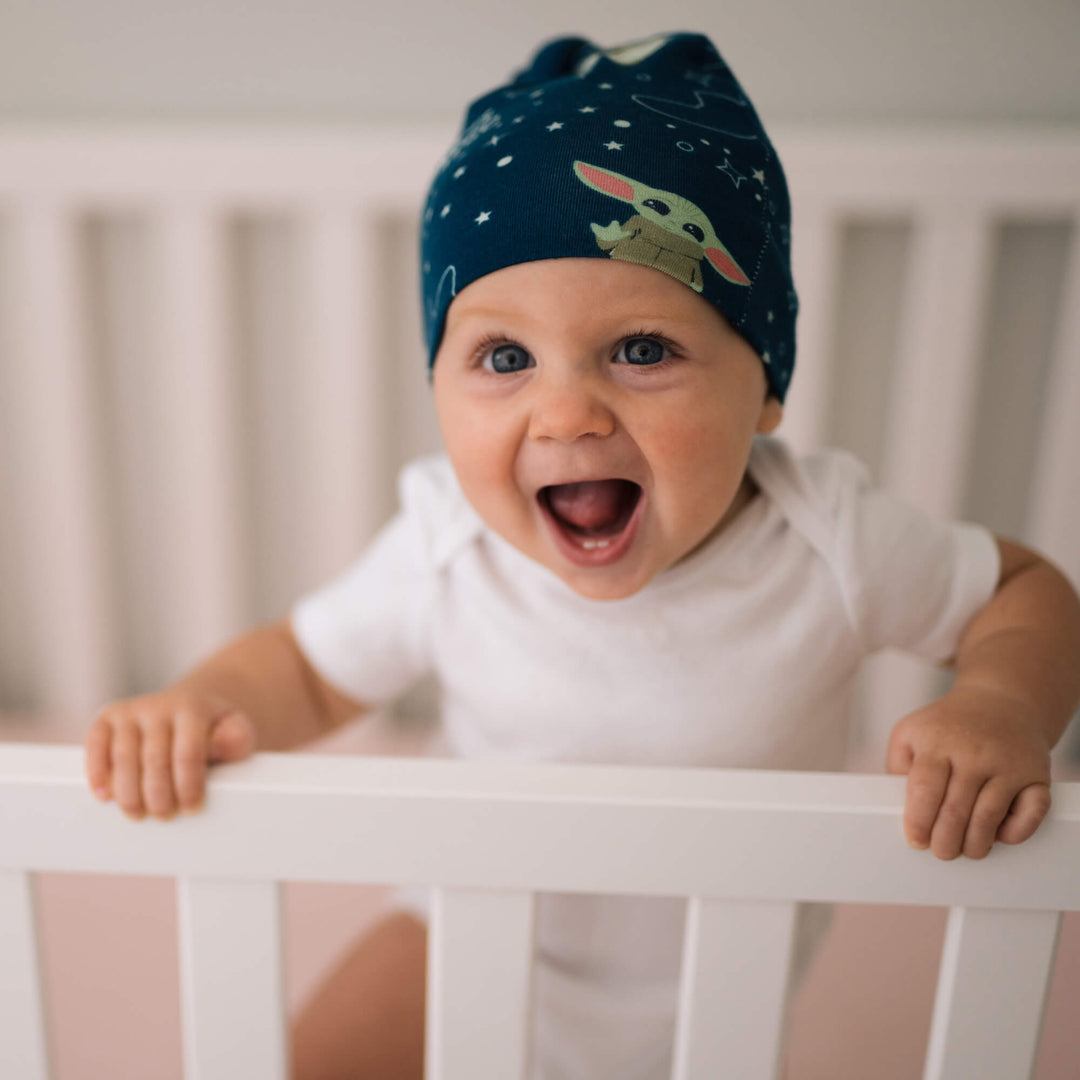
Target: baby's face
599 416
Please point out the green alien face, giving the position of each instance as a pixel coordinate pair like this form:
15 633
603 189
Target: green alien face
680 226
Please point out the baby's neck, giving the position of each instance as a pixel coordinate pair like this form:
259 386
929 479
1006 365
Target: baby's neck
747 490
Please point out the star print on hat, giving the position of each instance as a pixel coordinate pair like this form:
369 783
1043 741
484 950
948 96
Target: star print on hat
648 152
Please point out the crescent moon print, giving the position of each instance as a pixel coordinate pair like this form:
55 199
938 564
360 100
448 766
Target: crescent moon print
451 273
689 112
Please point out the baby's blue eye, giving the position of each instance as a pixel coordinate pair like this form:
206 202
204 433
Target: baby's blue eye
643 350
506 359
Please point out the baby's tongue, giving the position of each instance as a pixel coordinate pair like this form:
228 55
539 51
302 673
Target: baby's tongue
588 505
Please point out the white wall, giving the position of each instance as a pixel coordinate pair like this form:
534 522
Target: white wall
836 60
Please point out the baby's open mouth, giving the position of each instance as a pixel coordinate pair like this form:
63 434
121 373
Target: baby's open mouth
591 514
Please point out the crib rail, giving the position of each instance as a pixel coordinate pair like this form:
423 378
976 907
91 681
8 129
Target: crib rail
744 847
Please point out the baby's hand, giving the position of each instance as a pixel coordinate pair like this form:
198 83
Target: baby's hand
978 769
150 753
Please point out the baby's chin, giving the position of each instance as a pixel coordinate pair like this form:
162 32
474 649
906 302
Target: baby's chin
643 564
626 578
594 588
610 583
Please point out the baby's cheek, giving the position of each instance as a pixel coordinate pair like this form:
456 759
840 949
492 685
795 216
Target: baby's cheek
703 448
704 468
488 482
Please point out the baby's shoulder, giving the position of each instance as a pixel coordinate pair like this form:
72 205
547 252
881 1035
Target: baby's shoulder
436 508
823 482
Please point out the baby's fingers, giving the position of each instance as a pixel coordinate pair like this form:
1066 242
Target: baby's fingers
189 760
991 806
1025 815
157 782
98 758
113 764
954 815
926 784
127 768
232 737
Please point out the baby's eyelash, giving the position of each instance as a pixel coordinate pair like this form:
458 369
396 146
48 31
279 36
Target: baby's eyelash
670 348
488 342
656 335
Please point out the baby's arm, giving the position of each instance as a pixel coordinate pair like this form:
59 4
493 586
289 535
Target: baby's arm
150 753
978 759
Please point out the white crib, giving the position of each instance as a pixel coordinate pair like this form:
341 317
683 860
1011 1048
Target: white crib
116 579
158 445
744 847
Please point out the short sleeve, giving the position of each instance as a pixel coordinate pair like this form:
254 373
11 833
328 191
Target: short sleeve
914 581
364 631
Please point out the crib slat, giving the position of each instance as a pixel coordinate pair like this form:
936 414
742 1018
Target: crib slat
814 253
987 1024
932 404
232 1001
932 408
1054 510
58 482
23 1037
478 983
337 384
733 994
201 541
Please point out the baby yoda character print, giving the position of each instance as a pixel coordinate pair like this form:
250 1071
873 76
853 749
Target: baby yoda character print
668 231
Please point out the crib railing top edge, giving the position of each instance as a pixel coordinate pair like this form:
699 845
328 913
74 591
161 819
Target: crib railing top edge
1014 166
764 835
675 785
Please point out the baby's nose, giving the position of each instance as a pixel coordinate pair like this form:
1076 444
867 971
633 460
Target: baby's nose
567 409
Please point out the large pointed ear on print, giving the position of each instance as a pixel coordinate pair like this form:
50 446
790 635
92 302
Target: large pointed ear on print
725 265
607 181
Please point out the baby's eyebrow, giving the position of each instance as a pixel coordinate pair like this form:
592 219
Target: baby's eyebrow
482 313
471 320
664 317
632 315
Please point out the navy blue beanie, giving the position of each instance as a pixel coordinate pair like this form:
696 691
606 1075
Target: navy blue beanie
648 152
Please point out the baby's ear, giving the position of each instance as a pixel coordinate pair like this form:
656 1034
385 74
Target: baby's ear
772 412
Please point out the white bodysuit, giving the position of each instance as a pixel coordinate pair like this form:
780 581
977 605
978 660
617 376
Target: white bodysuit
742 655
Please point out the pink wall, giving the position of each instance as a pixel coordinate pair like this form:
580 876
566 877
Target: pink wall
110 959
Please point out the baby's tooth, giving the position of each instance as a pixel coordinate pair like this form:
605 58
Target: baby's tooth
590 544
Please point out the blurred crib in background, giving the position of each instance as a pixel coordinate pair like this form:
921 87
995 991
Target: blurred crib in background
211 367
211 370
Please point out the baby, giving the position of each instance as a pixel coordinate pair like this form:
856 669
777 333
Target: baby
615 560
